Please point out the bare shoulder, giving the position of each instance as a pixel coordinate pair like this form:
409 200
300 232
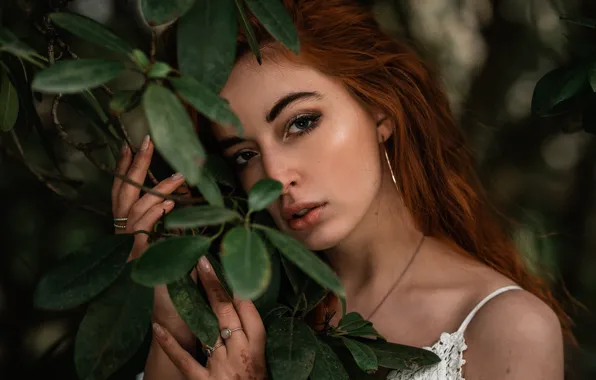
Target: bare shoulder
514 336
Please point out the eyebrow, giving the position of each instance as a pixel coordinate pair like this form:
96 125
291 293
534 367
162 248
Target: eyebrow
287 100
274 113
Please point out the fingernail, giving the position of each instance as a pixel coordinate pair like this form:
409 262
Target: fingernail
169 202
158 330
124 148
204 264
176 175
145 143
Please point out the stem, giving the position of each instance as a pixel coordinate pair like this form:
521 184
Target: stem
88 148
44 180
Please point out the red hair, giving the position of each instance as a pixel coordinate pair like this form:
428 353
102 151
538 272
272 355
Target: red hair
435 170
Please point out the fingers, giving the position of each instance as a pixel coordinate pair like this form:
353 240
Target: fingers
121 168
251 321
183 360
222 305
129 194
140 207
146 223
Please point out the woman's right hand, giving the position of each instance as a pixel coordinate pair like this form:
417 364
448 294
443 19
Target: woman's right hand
143 212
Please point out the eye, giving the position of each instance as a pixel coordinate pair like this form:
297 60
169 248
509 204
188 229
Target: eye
302 124
241 158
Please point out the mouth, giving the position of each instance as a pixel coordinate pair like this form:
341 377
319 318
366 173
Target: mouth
305 216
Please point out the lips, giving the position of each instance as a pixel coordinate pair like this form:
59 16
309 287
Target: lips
289 212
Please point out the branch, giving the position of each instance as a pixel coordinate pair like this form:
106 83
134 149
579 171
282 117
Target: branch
88 148
44 180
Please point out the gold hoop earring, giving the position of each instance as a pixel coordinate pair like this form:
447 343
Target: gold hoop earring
391 169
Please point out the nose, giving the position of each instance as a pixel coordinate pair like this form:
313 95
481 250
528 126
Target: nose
279 166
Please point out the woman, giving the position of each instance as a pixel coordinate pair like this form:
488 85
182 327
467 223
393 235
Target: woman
377 178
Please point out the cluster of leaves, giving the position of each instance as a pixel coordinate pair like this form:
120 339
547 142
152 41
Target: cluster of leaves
571 89
252 259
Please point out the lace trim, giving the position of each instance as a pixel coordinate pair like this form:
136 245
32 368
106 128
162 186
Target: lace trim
450 348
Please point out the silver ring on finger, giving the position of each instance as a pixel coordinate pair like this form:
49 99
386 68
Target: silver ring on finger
209 350
227 333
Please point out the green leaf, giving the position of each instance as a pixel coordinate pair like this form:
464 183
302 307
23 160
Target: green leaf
141 59
206 102
327 364
84 273
159 70
173 133
248 30
72 76
367 330
593 77
91 31
193 310
218 168
9 102
209 189
304 259
167 260
123 101
352 321
263 193
277 21
246 262
268 299
291 348
200 216
113 328
158 12
275 313
306 293
206 40
363 355
10 43
398 356
556 87
582 21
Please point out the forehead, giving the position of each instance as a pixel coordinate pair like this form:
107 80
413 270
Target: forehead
252 89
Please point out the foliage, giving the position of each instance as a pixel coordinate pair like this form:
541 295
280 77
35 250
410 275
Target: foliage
251 258
571 89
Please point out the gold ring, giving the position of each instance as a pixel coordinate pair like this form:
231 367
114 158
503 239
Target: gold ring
209 350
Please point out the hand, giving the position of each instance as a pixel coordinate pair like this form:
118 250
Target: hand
241 356
143 212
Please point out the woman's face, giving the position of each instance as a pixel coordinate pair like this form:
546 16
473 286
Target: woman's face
305 130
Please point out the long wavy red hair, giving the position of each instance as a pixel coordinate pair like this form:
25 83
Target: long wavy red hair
435 169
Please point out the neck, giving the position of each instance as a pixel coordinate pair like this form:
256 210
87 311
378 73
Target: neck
379 248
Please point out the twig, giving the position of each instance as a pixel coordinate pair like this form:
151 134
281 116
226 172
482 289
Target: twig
87 149
153 52
42 179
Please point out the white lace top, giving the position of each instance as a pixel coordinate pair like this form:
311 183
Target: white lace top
450 348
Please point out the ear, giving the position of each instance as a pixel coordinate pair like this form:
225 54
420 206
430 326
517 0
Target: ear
385 127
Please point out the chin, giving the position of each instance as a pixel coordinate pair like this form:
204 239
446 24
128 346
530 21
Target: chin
320 238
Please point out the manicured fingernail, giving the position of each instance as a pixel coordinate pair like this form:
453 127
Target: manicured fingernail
204 264
169 202
176 175
145 143
158 330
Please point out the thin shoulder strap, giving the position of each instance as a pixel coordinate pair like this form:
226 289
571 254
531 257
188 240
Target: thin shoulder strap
468 319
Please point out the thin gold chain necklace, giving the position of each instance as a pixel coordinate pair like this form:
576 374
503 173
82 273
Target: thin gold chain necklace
392 288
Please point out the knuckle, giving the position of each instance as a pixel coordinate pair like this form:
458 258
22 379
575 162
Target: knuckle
185 364
226 310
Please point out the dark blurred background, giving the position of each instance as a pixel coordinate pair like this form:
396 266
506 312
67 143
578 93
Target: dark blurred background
491 53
